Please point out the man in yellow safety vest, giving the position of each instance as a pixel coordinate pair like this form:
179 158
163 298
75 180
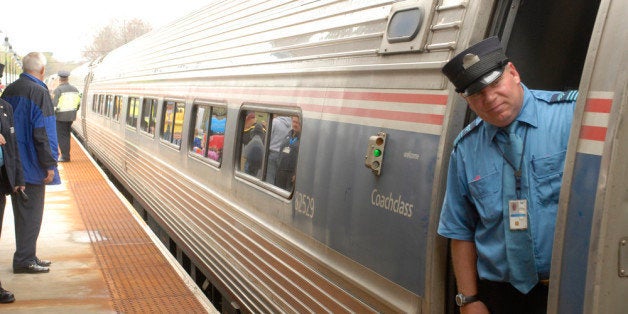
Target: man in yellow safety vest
66 101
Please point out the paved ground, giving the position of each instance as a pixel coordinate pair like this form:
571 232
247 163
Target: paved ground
104 258
75 283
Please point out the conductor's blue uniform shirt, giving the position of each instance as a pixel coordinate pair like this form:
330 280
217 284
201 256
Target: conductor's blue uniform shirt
472 210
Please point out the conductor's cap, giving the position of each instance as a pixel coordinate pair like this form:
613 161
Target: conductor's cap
477 66
63 73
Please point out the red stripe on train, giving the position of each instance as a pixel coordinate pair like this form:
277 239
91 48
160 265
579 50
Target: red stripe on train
413 117
598 105
388 115
594 133
420 99
432 99
391 97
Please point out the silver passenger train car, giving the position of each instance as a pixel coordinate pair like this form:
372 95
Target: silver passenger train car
197 121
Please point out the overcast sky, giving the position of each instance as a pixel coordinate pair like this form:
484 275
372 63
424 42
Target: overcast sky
66 27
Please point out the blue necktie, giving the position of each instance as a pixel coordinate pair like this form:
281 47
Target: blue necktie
519 247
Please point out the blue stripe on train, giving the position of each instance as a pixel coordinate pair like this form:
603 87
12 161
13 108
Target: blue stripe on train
380 222
578 232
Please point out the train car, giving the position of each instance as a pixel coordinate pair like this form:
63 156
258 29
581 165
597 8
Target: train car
79 77
293 154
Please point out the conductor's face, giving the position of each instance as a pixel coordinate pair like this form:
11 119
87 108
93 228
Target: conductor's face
500 102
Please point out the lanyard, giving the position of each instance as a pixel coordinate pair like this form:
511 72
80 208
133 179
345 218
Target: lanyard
293 140
512 165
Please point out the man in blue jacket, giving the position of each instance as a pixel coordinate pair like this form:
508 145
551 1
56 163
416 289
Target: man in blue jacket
35 128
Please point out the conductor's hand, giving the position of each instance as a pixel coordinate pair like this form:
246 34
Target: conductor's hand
2 140
51 175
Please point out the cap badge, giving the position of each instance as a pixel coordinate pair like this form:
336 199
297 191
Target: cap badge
469 59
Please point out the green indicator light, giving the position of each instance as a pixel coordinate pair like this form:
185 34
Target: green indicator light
377 152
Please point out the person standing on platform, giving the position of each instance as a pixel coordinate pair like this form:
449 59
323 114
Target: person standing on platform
36 134
11 176
503 184
66 102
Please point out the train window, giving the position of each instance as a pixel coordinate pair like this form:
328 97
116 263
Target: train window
270 146
209 131
149 115
132 111
117 106
404 25
407 27
95 103
101 103
108 105
285 162
253 141
172 122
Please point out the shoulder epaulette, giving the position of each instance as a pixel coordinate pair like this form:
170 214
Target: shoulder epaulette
567 96
467 129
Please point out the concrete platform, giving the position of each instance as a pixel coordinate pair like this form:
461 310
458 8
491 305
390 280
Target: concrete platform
104 258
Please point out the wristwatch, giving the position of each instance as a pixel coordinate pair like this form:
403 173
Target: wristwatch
462 300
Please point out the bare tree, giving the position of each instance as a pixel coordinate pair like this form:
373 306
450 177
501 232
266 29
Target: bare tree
115 35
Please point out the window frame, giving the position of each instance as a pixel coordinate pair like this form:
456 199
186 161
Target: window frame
118 101
101 102
154 102
404 42
239 173
128 112
406 37
108 105
171 141
209 105
95 103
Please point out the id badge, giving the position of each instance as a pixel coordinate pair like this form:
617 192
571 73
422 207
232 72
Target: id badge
518 212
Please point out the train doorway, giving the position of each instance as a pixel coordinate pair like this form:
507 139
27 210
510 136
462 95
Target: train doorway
548 42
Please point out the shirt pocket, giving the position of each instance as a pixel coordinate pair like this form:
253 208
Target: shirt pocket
547 175
486 193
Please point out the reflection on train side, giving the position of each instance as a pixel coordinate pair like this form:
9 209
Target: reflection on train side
209 121
110 107
269 151
172 122
117 107
149 114
132 112
269 137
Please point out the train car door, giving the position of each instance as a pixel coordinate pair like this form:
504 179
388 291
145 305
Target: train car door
84 105
590 261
